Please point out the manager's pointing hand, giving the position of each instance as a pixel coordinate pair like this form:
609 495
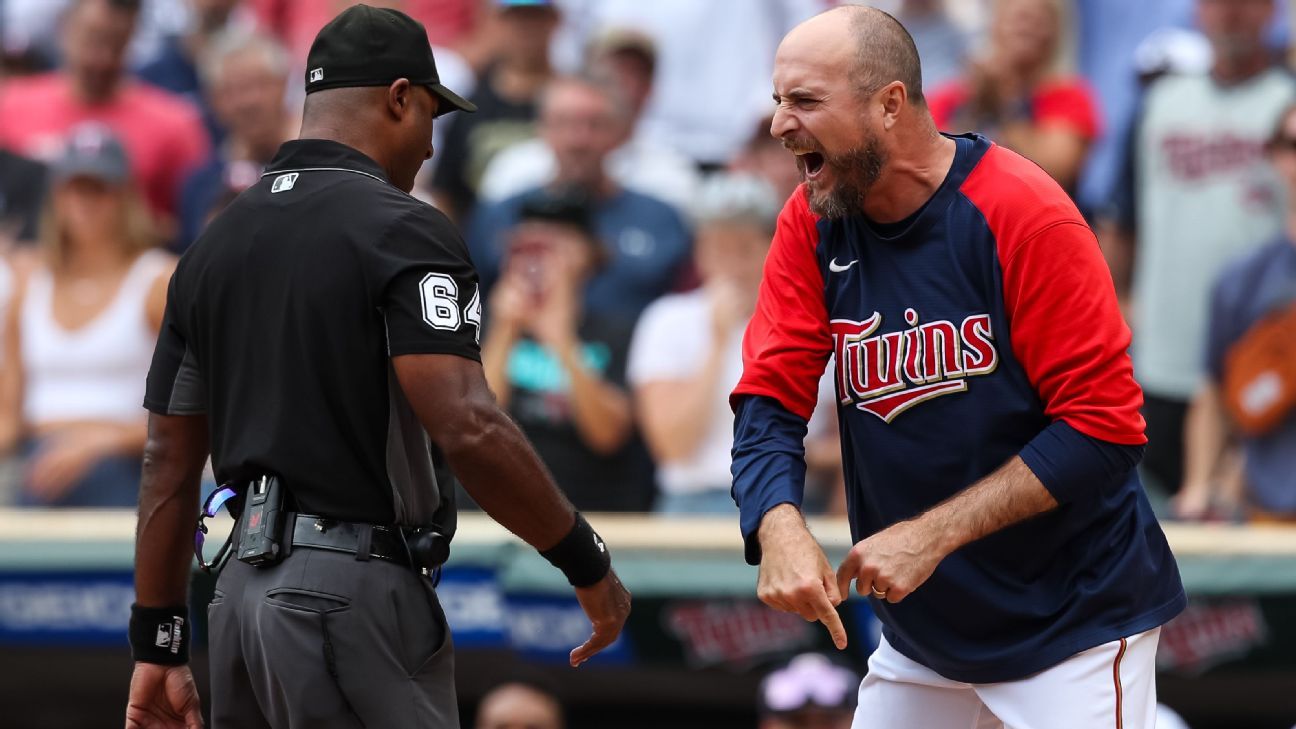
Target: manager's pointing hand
795 576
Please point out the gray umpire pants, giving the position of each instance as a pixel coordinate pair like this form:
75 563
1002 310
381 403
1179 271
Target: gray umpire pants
324 641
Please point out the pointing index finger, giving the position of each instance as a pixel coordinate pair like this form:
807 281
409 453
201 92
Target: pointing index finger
831 620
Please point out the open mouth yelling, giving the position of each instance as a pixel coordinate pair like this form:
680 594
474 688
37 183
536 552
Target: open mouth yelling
811 164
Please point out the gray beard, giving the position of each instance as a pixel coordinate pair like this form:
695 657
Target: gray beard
856 172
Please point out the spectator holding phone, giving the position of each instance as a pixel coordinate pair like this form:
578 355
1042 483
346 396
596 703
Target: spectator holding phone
645 241
557 365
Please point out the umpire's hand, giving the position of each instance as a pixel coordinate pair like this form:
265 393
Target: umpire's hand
795 575
163 697
607 604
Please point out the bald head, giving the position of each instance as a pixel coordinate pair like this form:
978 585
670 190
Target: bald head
872 47
519 706
886 52
848 89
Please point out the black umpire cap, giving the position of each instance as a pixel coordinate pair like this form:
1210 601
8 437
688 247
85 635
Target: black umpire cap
367 46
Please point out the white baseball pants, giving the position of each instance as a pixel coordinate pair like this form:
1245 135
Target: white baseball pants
1111 686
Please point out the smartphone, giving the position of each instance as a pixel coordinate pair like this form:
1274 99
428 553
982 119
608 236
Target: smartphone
529 257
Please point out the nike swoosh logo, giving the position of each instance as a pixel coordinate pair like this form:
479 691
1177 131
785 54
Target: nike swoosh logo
836 268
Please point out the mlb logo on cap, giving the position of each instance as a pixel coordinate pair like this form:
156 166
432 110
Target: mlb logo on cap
317 74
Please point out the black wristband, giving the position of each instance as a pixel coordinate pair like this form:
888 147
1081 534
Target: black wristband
160 635
581 555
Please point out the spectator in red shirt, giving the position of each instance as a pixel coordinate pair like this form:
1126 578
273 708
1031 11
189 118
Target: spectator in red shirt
163 134
295 22
1015 95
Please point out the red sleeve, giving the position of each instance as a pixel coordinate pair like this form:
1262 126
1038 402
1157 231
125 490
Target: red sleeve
787 343
1065 326
944 102
1068 103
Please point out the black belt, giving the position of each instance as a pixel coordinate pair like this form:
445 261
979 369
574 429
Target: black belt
363 540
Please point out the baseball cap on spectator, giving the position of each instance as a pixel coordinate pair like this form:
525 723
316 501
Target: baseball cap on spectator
1173 50
563 206
92 150
367 46
736 196
808 681
625 40
569 207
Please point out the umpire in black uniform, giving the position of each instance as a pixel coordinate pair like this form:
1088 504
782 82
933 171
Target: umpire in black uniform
316 337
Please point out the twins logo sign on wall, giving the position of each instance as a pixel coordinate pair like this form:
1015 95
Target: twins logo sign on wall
886 374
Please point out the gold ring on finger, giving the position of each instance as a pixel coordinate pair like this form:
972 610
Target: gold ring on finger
881 594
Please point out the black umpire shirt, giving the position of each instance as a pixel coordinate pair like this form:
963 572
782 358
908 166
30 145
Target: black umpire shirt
281 321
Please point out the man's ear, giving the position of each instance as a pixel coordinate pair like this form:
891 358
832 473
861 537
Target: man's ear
400 100
893 98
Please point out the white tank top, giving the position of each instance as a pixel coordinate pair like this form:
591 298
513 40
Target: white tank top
95 372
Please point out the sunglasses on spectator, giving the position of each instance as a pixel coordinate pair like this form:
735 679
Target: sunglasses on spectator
809 680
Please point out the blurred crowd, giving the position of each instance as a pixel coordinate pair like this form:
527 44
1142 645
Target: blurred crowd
618 189
808 691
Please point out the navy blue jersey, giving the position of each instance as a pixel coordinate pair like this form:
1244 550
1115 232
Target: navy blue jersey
982 328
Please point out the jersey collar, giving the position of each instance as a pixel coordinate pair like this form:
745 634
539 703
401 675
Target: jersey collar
968 151
299 155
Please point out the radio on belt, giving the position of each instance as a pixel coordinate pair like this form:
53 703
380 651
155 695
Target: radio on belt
261 528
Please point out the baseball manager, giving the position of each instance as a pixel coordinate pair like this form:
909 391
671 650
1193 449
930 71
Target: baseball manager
989 414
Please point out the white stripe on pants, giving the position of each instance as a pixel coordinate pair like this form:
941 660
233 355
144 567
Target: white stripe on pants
1109 686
